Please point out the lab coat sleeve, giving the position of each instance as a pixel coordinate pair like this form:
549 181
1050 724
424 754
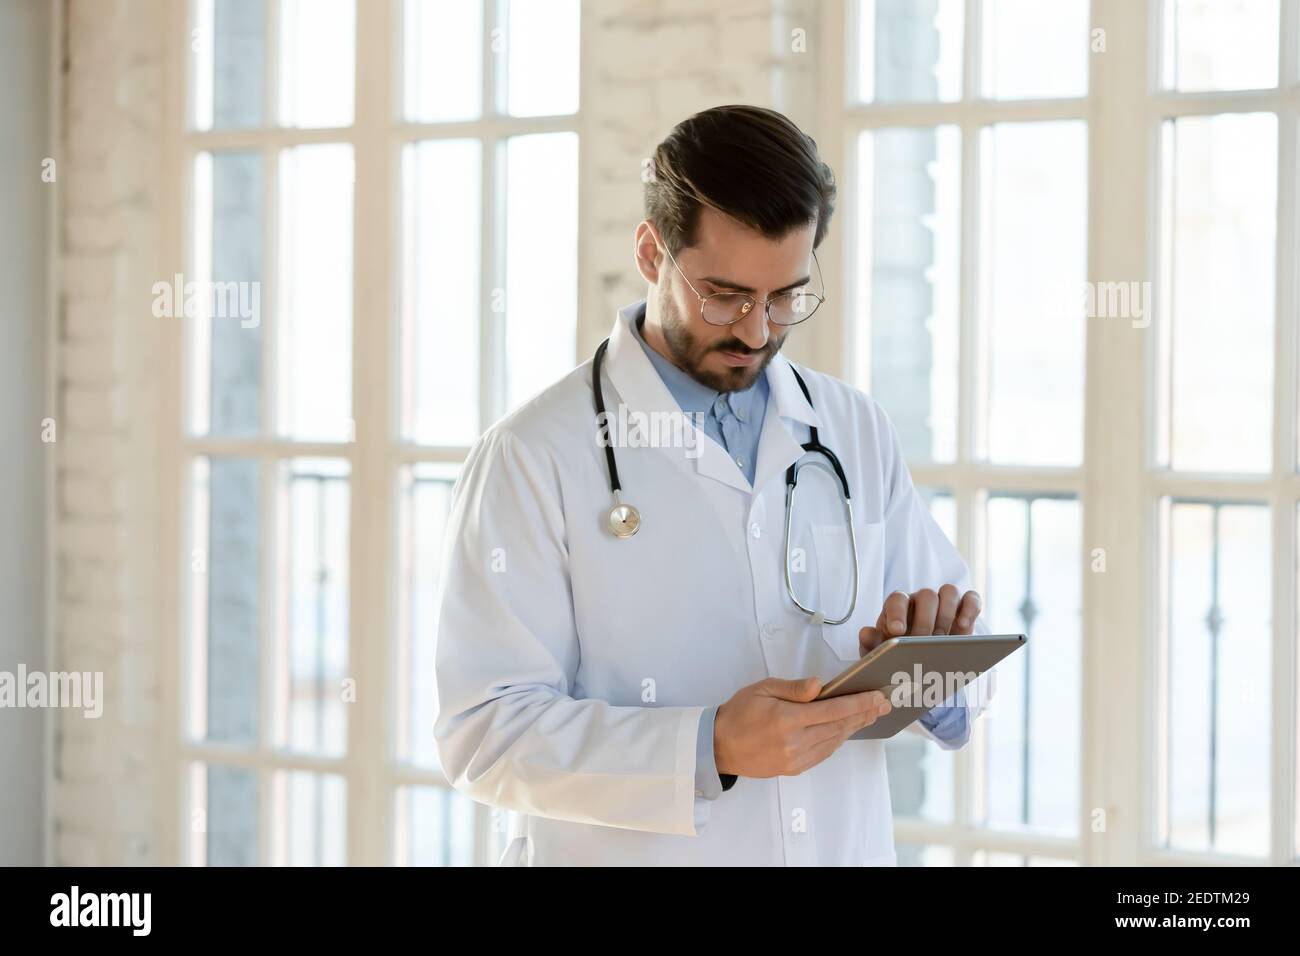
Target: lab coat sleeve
508 731
919 555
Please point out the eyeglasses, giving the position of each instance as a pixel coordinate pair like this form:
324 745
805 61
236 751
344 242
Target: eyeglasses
784 308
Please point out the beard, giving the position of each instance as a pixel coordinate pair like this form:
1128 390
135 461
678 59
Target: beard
689 353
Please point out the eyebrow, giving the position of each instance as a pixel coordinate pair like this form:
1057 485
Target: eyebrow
727 284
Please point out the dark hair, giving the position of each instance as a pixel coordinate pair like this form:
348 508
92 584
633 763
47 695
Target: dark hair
750 163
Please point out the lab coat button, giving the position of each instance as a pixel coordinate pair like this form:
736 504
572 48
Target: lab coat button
755 530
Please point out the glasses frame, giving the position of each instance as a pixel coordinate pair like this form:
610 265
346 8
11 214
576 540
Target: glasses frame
767 303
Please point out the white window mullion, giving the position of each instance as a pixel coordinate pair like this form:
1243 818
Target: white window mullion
970 502
492 390
271 651
370 797
270 658
493 395
1118 609
1283 501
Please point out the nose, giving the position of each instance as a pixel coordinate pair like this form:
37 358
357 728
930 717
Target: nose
753 329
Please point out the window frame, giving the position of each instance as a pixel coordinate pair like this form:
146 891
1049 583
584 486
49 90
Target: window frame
376 456
1119 772
1121 775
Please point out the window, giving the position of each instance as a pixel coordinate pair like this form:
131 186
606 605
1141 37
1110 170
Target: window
1097 393
361 263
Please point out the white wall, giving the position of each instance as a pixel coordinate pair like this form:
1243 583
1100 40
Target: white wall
24 141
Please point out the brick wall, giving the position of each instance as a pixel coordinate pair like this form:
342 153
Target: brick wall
104 553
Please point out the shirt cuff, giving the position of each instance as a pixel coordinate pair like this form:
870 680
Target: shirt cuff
707 782
948 721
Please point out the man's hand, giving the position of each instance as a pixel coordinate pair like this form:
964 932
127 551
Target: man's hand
921 614
776 728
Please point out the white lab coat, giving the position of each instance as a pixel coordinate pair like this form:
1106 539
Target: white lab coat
573 667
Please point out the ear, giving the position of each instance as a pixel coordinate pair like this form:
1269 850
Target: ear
646 253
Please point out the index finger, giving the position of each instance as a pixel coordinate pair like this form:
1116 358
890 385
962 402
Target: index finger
893 616
967 611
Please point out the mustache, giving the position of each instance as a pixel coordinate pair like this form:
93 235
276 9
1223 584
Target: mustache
740 348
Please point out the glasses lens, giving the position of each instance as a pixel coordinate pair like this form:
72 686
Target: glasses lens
791 308
724 308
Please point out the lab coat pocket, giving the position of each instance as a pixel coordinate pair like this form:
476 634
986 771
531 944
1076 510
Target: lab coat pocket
835 584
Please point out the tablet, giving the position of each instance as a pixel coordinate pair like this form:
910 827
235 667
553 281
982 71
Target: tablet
919 674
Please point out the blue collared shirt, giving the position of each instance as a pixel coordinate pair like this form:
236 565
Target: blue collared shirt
735 421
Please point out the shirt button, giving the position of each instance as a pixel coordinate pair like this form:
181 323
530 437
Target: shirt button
755 530
699 793
740 462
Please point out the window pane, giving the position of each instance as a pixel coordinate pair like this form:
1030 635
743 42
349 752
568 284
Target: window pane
225 601
311 817
910 52
315 345
541 261
1034 206
443 60
435 827
317 62
426 502
1033 721
312 656
223 816
541 42
228 41
1219 182
226 294
1035 50
1197 56
909 273
1217 700
441 315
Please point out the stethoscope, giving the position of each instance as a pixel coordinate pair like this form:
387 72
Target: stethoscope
624 520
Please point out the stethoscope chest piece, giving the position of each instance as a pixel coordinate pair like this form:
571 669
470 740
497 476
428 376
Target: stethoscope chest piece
624 520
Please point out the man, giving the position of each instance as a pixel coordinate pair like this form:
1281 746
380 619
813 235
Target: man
648 696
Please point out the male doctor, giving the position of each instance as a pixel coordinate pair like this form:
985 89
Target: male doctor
650 699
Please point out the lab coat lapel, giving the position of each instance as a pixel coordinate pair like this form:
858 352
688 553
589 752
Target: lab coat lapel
785 427
641 389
